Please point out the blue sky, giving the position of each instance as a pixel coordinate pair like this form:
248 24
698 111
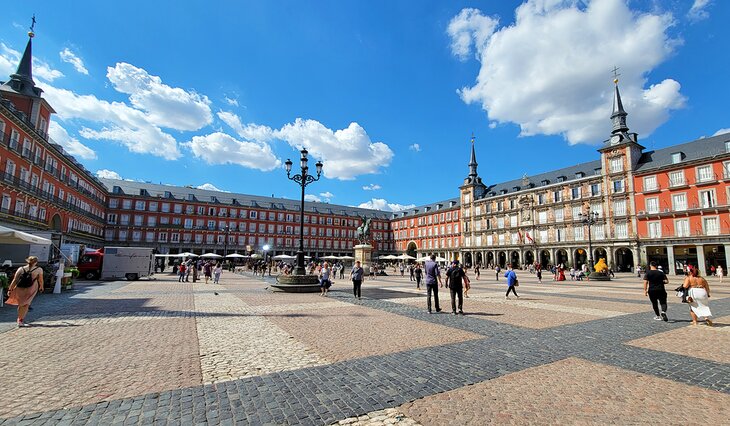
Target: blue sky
386 93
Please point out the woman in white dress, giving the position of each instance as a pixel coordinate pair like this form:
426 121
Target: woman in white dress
698 297
719 272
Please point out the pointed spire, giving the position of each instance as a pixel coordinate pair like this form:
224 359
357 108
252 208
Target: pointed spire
22 81
473 160
618 117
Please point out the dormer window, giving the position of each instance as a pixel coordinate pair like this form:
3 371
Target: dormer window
504 191
544 182
579 175
191 197
168 194
561 178
677 157
727 146
117 190
515 188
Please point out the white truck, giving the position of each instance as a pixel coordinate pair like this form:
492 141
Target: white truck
113 263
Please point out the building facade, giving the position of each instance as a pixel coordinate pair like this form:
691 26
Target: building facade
42 187
630 206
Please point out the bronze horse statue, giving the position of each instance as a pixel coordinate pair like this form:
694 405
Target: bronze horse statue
363 231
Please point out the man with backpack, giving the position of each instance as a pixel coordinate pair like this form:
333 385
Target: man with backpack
28 280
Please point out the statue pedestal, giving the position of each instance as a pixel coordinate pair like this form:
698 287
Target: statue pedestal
296 284
598 276
363 253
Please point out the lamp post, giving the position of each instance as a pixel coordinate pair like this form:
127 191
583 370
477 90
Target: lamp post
303 179
590 218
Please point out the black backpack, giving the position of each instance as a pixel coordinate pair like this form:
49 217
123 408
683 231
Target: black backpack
26 278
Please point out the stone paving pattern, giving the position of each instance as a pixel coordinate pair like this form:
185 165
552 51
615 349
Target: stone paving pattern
178 353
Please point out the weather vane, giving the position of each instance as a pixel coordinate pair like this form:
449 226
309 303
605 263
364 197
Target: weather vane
615 74
472 138
32 27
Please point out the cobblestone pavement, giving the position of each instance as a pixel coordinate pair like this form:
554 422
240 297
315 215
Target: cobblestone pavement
162 352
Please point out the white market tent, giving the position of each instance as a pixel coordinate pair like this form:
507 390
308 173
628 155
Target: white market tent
211 256
236 256
284 257
346 258
330 258
388 257
184 254
12 236
256 256
405 257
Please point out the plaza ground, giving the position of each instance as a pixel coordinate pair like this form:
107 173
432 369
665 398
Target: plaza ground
163 352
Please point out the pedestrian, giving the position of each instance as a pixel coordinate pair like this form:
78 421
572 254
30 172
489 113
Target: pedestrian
455 282
342 272
476 271
181 272
512 281
217 273
208 271
402 269
27 282
372 271
467 283
412 271
698 296
497 270
539 276
719 272
356 275
190 267
324 279
654 281
433 282
194 270
418 274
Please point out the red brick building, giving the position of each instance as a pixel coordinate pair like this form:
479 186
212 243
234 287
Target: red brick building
42 187
429 229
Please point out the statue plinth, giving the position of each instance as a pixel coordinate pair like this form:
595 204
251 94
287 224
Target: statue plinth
598 276
296 284
363 253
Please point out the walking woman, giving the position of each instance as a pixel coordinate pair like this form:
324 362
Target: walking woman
511 281
27 282
418 274
357 275
217 273
698 296
324 279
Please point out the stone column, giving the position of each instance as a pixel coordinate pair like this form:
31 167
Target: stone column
727 259
670 258
701 260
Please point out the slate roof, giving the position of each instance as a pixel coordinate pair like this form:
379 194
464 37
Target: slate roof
695 150
182 193
587 169
428 208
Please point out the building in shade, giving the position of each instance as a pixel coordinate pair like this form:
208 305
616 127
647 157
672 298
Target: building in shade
42 187
176 219
683 204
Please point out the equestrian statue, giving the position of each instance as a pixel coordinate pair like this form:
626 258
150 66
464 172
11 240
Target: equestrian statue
363 231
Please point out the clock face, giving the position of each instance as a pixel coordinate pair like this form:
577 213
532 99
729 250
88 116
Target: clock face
615 139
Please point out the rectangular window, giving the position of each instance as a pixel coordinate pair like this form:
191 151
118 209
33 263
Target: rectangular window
619 207
681 228
126 204
652 205
513 221
178 208
676 157
162 237
650 183
679 202
575 192
622 230
710 225
151 220
166 207
542 217
559 214
618 186
113 203
578 233
188 224
704 174
707 198
138 220
655 229
139 205
577 210
617 165
595 189
676 178
153 206
557 196
543 236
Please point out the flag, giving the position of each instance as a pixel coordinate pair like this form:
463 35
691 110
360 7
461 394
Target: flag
519 235
527 234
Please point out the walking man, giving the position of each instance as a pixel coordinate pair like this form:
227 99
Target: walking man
433 282
455 277
511 281
356 275
654 281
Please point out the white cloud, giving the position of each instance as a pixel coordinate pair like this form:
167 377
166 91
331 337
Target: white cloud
9 59
698 11
123 124
312 198
345 153
415 147
70 144
220 148
164 106
721 132
371 187
68 56
108 174
381 204
254 132
470 28
231 101
549 71
327 196
210 187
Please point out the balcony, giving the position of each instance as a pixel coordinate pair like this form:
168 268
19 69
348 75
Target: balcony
652 188
706 180
678 182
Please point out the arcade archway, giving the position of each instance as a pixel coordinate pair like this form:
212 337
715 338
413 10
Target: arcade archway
411 249
624 260
56 223
598 254
545 258
514 259
580 258
467 259
490 258
502 259
479 260
561 257
529 258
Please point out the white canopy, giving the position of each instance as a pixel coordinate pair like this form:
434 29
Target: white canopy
184 254
236 255
388 257
256 256
346 258
284 257
12 236
422 259
330 258
211 256
405 257
441 259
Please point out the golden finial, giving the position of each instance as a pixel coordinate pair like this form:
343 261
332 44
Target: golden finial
472 138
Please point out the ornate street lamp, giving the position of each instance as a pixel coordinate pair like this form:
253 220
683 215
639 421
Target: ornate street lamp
590 218
226 230
303 179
